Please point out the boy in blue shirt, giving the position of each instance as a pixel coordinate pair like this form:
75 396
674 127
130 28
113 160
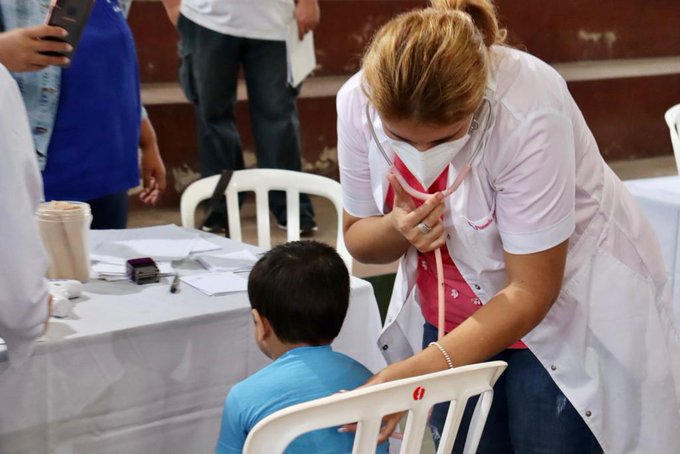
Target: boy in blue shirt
299 294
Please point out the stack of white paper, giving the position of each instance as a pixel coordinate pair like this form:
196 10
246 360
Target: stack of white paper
213 284
117 271
235 262
163 244
300 55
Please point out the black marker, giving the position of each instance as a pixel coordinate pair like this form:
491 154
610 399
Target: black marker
174 287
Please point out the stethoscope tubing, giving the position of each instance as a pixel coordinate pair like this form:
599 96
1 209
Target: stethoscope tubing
467 168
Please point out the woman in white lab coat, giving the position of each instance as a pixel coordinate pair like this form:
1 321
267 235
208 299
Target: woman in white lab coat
547 262
23 261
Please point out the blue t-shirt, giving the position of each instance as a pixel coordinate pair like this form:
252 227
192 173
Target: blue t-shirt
93 149
299 375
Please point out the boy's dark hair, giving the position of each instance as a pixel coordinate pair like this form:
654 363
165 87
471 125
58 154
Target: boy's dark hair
302 288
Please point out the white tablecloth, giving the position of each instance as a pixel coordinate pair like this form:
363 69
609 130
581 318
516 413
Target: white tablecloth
660 200
141 370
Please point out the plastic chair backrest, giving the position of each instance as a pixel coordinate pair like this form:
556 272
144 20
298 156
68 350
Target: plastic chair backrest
369 404
261 181
672 117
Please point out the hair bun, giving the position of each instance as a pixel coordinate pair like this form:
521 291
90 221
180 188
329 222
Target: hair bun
483 14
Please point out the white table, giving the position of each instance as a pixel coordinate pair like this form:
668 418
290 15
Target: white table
140 370
659 198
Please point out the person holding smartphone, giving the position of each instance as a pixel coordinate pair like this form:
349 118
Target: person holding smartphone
84 112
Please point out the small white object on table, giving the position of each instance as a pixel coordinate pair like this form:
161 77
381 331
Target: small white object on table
138 369
659 198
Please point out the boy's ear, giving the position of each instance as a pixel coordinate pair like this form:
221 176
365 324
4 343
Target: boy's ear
262 327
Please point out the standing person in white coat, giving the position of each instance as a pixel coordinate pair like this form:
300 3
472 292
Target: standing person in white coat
23 260
449 141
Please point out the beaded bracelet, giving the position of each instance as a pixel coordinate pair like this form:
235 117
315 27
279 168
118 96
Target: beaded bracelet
444 352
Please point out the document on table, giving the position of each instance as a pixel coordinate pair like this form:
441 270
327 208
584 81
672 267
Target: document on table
158 249
239 261
300 55
213 284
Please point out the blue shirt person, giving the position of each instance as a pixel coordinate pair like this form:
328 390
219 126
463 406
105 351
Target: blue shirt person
299 294
299 375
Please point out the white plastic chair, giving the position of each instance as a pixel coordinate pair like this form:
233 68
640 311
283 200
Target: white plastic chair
261 181
368 405
672 117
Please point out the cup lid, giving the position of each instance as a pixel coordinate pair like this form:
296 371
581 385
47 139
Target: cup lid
62 210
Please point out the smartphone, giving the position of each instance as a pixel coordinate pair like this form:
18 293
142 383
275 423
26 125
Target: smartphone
71 15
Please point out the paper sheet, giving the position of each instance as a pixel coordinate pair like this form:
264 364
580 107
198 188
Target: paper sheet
118 252
300 55
239 261
118 272
216 283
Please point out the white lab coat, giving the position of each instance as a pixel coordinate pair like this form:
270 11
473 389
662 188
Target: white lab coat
608 341
23 260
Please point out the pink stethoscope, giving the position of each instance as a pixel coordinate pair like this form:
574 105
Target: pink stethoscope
484 111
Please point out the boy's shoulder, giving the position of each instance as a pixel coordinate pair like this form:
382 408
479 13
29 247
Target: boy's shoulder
300 375
322 357
308 372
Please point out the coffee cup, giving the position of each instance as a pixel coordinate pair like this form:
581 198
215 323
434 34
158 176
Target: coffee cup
64 227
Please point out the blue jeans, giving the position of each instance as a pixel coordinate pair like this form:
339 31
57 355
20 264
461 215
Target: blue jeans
529 414
209 66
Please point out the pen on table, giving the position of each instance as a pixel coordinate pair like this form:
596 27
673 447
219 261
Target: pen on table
174 287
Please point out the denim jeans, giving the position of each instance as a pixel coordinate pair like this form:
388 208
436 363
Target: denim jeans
529 414
209 66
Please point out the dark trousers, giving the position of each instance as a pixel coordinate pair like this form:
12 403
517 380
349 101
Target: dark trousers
208 73
109 212
529 413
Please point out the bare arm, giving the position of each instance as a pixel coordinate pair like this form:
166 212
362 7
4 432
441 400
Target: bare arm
307 15
383 239
373 240
172 9
534 282
153 169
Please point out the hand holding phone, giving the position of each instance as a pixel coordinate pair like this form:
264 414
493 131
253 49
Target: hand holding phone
22 49
70 15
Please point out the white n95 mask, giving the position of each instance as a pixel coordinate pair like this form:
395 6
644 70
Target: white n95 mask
427 165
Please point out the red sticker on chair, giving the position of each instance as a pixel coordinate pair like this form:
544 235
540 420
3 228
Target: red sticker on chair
418 393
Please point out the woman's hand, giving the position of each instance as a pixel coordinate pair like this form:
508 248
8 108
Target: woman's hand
20 49
421 226
410 367
153 169
307 15
389 422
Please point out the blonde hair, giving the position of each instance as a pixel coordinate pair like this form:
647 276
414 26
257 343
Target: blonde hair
431 65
